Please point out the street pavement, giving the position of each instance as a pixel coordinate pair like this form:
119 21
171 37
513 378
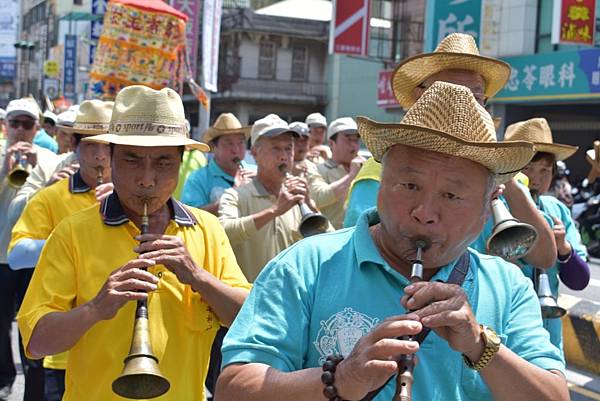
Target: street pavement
583 386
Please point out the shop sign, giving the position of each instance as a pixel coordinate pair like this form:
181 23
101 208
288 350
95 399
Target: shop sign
552 76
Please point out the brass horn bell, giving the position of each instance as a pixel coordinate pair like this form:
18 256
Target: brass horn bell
550 308
141 377
311 223
19 173
510 239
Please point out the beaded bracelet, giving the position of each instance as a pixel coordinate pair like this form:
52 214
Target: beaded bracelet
328 377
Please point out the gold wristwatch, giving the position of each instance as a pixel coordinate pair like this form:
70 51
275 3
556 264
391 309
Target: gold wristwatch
491 342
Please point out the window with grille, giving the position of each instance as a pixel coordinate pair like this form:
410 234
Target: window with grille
299 63
267 58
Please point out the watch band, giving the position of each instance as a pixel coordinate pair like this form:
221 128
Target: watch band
492 345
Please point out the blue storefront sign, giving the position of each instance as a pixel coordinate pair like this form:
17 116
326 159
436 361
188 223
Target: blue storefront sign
70 68
98 8
553 76
7 68
443 17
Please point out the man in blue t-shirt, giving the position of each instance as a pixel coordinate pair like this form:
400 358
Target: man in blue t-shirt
343 302
227 139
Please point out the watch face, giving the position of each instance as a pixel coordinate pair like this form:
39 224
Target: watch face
491 336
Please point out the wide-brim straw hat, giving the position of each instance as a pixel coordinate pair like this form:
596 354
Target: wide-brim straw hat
143 116
457 51
538 132
92 118
225 124
447 119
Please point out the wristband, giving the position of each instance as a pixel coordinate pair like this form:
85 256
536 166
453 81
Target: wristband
328 377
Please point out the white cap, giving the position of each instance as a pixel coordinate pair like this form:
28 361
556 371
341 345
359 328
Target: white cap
23 106
344 125
66 119
299 128
2 114
269 126
316 120
50 115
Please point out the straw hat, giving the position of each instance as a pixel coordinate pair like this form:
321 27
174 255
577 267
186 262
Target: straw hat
91 118
447 119
146 117
537 131
225 124
457 51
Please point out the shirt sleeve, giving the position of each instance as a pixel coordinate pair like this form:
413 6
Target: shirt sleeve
238 228
363 197
525 333
572 233
193 193
53 285
320 191
272 326
227 269
34 223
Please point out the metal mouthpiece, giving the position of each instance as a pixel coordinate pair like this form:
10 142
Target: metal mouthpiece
99 175
237 161
283 168
417 267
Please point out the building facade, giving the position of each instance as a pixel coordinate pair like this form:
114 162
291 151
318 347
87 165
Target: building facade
270 64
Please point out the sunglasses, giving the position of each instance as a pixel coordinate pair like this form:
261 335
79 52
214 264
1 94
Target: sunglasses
26 124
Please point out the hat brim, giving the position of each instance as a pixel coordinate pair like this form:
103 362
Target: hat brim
560 151
504 159
213 133
276 132
414 70
82 131
17 113
148 141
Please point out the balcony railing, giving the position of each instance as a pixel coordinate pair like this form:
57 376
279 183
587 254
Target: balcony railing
247 88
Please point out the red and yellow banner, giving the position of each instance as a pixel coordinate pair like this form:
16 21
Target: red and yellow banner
575 22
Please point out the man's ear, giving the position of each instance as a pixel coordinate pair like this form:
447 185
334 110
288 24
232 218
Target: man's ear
254 151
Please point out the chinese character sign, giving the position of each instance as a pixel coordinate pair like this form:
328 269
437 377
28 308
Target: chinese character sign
350 29
70 68
444 17
553 76
191 8
141 43
98 8
385 93
574 22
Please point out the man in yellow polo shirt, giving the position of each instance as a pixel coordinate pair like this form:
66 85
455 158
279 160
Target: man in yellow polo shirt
52 204
96 261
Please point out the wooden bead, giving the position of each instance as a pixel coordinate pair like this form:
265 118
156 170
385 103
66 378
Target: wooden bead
330 392
329 366
327 378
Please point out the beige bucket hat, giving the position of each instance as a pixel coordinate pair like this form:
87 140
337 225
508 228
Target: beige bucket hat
143 116
457 51
225 124
92 118
447 119
537 131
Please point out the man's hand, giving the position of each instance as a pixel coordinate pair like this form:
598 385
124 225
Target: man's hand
170 251
294 190
243 176
356 164
128 283
63 173
26 151
371 362
445 309
103 190
560 235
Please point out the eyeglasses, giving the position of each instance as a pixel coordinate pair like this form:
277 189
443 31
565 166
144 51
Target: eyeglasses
26 124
